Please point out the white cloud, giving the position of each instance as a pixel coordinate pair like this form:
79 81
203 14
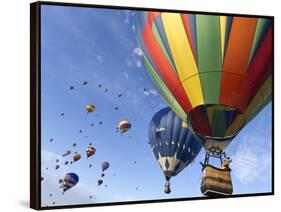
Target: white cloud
153 92
252 160
126 75
150 92
138 51
146 93
49 156
133 28
79 194
127 17
99 59
128 62
138 63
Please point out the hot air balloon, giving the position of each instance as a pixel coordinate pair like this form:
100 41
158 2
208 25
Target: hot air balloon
214 71
68 181
102 175
173 146
57 167
90 151
74 145
100 182
216 81
66 153
85 82
71 87
124 126
76 156
90 108
104 166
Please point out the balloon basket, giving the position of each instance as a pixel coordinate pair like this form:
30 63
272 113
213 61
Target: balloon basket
216 181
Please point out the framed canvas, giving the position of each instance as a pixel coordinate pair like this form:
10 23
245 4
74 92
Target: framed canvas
142 105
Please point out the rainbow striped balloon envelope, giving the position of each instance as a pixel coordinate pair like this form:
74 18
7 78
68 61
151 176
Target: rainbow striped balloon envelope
214 71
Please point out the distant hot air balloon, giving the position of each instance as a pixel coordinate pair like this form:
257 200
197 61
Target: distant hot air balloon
173 146
66 153
119 95
66 162
102 175
85 82
100 182
214 71
76 156
90 151
62 114
104 166
92 125
124 126
51 139
71 87
57 167
74 145
68 181
90 108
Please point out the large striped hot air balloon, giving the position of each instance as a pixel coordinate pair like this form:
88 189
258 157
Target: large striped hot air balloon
214 71
173 144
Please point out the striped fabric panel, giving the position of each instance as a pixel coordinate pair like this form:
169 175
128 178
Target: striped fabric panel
209 62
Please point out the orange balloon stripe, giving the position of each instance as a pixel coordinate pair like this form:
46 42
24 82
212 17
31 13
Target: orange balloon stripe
164 68
236 57
185 21
239 45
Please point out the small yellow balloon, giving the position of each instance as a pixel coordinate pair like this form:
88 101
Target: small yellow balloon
90 108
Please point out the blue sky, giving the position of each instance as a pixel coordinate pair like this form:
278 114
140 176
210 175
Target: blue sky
99 45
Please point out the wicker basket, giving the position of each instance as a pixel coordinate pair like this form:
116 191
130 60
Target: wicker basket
216 182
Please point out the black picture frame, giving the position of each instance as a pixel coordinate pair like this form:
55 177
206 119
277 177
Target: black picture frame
35 104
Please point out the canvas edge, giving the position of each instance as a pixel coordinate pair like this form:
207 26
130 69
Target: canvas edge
35 194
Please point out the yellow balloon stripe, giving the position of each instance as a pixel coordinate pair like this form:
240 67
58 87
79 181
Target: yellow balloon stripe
183 57
263 93
223 29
